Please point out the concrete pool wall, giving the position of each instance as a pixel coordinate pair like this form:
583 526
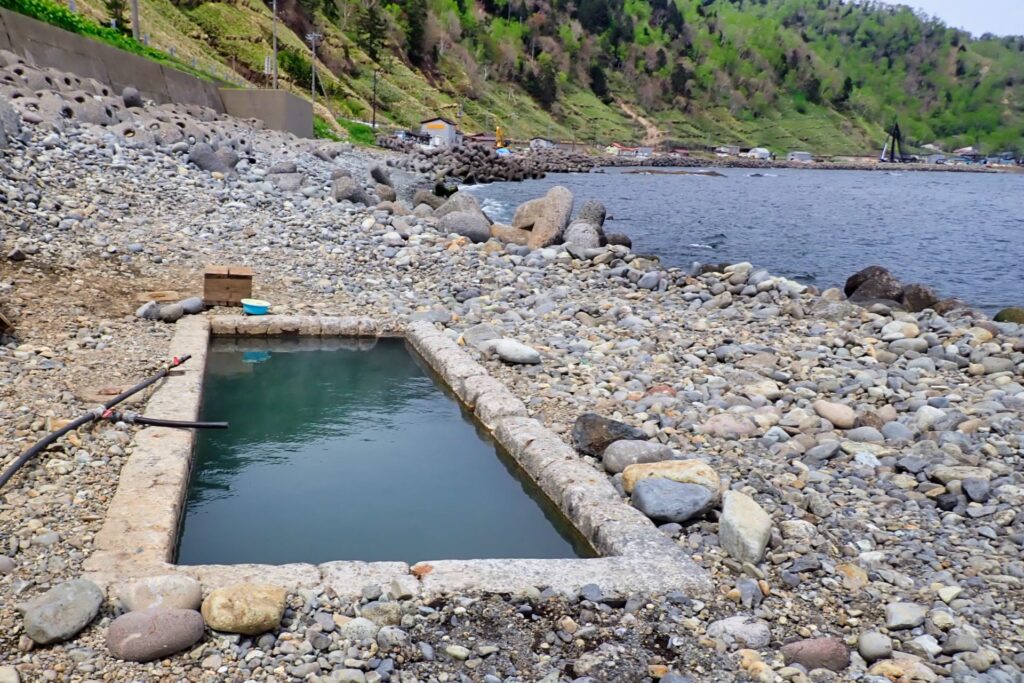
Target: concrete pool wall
140 530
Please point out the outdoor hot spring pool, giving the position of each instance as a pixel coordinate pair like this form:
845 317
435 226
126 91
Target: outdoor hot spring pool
349 449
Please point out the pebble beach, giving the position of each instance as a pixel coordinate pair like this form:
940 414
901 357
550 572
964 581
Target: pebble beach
852 474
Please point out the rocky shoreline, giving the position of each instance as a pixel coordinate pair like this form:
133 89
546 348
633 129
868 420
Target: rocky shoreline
849 474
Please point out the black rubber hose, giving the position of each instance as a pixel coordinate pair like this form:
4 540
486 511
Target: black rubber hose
156 422
87 417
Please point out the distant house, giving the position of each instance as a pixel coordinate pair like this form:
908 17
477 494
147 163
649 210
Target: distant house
487 139
727 150
441 131
541 143
759 153
802 157
620 150
644 151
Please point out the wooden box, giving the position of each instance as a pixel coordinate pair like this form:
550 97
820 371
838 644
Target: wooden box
227 285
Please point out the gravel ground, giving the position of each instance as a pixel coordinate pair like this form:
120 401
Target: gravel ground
886 447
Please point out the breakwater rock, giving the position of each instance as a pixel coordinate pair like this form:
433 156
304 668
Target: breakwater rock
474 163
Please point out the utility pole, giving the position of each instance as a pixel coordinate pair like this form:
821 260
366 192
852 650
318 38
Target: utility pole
275 44
71 6
135 20
375 72
312 38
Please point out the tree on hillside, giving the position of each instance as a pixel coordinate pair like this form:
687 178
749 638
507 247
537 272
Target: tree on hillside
372 30
117 11
416 31
542 83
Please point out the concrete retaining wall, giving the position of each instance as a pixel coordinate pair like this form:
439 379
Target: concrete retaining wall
278 109
48 46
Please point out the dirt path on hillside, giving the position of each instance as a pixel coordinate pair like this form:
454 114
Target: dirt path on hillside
652 134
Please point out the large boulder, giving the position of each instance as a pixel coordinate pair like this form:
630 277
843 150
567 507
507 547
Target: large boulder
427 197
668 501
1010 315
593 212
131 98
510 235
172 591
872 284
592 434
549 227
528 213
617 238
246 608
154 633
917 298
381 175
215 161
619 455
468 224
582 234
460 202
347 189
61 612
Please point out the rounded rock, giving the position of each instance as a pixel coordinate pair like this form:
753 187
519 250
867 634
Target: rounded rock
172 591
246 608
818 653
154 633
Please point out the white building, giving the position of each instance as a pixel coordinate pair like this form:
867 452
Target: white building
441 131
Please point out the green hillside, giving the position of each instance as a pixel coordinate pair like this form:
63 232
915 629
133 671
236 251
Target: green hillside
822 75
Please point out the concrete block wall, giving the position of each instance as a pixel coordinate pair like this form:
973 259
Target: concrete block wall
45 45
278 109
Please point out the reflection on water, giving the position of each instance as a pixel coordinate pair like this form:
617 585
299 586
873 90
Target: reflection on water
351 453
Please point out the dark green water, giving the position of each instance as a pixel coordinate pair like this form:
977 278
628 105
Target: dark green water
347 450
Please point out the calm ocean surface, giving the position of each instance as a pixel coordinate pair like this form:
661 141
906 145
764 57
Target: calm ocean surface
961 233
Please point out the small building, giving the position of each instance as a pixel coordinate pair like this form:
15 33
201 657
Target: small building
644 152
541 143
727 150
802 157
620 150
759 153
441 131
486 139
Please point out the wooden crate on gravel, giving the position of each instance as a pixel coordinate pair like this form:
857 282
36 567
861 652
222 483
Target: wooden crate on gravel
226 285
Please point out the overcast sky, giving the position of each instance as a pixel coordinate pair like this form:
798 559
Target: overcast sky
1001 17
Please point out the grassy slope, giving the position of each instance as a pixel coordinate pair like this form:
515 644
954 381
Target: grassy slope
219 36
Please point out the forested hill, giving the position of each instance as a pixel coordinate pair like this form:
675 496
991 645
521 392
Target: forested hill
823 75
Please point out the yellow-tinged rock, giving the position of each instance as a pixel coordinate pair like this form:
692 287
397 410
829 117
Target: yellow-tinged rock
657 670
246 608
55 423
751 662
979 334
854 578
682 471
